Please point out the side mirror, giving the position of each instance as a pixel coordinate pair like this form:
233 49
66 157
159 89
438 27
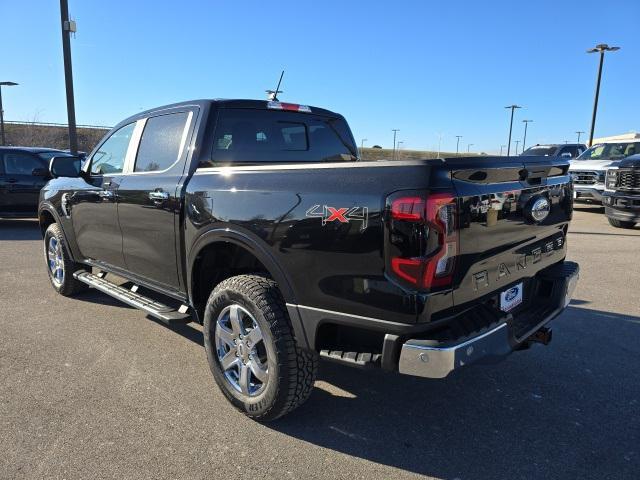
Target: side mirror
39 172
566 155
65 167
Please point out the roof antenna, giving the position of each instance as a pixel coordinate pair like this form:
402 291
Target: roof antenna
272 95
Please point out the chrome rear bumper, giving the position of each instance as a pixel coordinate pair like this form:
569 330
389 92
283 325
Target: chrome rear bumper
424 358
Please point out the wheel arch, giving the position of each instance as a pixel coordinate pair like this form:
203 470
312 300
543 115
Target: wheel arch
48 215
224 239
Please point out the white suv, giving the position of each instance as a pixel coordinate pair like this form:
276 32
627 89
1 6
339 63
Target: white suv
589 169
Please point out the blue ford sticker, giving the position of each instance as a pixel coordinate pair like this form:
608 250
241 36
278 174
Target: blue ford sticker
511 298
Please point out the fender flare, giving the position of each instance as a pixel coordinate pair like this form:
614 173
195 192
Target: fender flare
249 243
253 245
56 218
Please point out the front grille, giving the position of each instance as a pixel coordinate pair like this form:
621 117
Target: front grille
628 180
585 178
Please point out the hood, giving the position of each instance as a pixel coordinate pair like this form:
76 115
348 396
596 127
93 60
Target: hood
589 164
630 162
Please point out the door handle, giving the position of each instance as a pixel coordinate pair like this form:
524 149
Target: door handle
108 194
12 180
157 196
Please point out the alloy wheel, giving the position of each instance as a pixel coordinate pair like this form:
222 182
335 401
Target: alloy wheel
55 260
241 350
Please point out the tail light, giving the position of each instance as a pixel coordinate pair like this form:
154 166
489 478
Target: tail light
423 239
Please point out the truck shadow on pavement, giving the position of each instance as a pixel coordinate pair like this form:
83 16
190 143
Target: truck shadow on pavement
569 410
13 229
593 208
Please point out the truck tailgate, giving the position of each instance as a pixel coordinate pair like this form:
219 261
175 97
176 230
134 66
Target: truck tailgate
513 219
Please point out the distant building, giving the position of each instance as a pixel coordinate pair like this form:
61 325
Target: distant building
618 138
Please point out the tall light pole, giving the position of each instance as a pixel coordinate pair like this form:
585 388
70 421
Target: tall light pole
69 27
579 132
469 145
517 143
512 107
501 147
524 140
603 47
395 131
3 84
362 146
458 143
440 135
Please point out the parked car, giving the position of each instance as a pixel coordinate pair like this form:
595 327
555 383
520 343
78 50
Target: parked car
23 172
589 169
621 198
564 150
258 220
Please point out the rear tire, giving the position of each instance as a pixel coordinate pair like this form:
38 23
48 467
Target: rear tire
620 223
270 377
60 266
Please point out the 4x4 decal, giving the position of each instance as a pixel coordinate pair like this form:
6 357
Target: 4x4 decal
342 214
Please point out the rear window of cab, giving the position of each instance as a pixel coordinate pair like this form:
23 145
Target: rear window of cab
247 136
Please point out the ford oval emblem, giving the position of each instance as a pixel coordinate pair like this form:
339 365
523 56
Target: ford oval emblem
539 209
511 294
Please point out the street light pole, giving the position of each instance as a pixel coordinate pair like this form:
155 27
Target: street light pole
524 140
458 143
469 145
579 132
395 131
3 84
517 143
603 47
439 143
69 27
501 147
512 107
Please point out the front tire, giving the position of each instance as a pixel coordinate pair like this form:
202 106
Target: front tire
620 223
59 265
251 349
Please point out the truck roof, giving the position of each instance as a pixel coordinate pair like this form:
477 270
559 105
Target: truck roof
233 103
18 148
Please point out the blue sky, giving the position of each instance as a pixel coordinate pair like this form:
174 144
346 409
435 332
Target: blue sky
424 67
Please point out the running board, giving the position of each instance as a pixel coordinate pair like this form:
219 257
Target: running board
158 310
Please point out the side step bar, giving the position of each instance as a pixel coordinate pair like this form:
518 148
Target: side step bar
162 312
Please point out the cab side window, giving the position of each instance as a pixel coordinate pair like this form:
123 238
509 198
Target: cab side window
109 158
161 142
20 163
570 150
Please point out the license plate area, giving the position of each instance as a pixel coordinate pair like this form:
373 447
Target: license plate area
512 297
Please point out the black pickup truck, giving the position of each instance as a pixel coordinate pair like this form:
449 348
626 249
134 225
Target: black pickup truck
258 220
621 198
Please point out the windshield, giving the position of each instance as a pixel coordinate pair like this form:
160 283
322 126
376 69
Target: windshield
539 150
610 151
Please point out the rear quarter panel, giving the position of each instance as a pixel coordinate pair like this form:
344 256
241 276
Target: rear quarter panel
335 263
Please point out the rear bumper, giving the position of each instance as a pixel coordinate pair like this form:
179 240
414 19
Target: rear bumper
431 359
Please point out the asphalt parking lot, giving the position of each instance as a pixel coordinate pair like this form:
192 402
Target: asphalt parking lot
90 388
